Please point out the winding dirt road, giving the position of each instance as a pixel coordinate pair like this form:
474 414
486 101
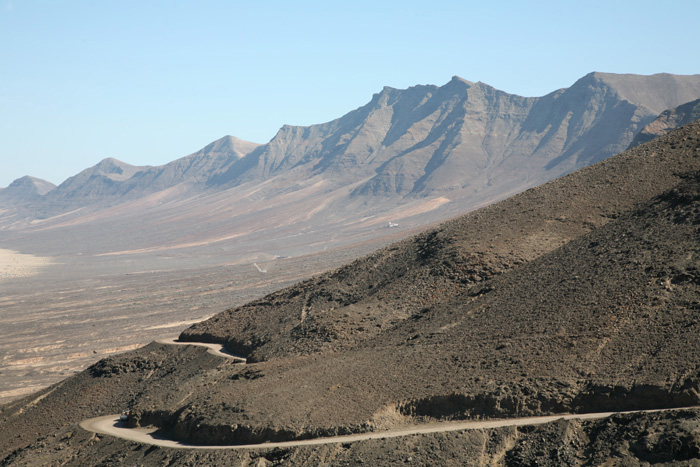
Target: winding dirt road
111 425
214 349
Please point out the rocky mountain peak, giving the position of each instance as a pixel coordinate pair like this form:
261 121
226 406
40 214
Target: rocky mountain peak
459 80
227 146
114 168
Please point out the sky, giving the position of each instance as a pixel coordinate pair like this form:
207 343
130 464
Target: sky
147 82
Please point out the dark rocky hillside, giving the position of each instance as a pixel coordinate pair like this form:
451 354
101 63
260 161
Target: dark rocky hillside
454 258
577 296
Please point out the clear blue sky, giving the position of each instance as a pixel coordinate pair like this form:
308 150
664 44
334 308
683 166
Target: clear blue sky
148 82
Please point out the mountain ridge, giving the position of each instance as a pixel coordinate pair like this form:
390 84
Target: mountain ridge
578 295
667 121
407 157
349 141
431 139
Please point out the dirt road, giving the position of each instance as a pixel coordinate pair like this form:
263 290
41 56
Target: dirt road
111 425
214 349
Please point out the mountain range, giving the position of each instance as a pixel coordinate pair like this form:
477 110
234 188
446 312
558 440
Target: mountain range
407 157
309 199
578 296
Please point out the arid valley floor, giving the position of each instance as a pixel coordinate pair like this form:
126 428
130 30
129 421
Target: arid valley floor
62 314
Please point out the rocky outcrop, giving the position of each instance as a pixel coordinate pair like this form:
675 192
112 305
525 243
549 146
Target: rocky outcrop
667 121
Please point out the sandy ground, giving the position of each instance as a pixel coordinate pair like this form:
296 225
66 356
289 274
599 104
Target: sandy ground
81 309
14 264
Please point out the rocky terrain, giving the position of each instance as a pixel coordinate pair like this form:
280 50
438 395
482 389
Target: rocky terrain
577 296
667 121
125 235
60 317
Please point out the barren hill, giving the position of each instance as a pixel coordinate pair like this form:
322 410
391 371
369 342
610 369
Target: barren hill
579 295
93 184
25 190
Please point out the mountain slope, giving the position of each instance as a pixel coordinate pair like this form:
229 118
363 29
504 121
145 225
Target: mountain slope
430 140
496 238
25 189
667 121
580 295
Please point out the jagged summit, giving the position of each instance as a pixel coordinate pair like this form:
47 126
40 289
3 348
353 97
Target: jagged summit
458 79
